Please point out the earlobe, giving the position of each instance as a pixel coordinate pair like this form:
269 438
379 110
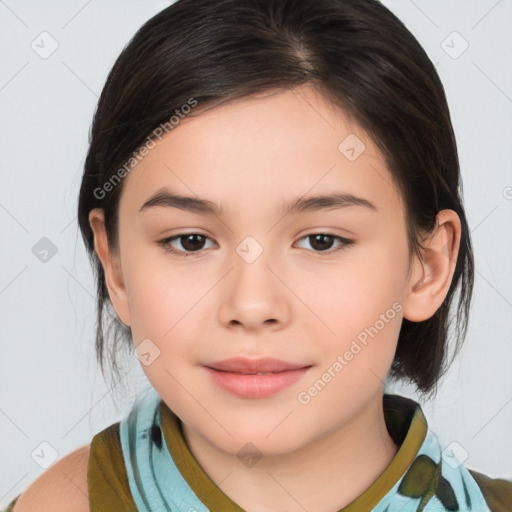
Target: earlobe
111 266
432 277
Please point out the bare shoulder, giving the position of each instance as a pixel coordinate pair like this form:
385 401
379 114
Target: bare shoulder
62 487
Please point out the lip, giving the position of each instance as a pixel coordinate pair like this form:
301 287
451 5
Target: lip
261 365
255 378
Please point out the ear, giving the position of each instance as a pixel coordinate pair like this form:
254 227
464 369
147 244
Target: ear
431 278
111 266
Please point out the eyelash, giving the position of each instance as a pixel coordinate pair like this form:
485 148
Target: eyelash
345 242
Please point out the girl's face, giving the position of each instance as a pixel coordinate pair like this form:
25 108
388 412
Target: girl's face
256 282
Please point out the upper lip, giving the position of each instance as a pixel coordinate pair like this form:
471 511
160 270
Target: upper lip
262 365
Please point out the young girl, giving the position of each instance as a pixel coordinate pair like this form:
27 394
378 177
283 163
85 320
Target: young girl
271 203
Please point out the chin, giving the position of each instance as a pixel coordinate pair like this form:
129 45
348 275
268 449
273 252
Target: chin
257 442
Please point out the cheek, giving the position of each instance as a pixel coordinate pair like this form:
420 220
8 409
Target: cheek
160 298
363 311
164 308
360 288
170 304
159 292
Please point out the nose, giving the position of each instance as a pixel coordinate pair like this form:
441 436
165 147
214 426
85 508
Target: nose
253 295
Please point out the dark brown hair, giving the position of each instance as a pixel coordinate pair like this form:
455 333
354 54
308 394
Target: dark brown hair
358 55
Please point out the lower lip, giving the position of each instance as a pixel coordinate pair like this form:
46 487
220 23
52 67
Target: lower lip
255 386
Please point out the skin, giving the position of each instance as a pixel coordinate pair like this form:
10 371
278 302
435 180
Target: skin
292 302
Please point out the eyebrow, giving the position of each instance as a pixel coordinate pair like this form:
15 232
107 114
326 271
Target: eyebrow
169 199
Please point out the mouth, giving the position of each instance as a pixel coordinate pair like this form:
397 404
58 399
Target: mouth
250 373
255 378
264 365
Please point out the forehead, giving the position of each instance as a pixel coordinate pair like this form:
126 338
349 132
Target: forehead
260 151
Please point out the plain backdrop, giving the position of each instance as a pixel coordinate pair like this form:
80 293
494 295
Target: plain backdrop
52 396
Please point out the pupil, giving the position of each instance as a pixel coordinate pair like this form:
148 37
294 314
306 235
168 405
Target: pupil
192 246
319 238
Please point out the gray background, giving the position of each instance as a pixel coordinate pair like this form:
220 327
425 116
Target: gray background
50 388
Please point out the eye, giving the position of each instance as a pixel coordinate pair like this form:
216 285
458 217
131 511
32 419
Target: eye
189 241
194 243
323 242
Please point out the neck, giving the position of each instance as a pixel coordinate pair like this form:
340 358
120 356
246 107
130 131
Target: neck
323 476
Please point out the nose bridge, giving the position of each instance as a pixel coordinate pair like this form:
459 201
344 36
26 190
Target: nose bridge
255 232
253 287
253 257
252 249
